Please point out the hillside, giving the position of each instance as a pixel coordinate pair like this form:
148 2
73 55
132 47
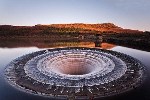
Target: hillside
101 28
77 32
107 28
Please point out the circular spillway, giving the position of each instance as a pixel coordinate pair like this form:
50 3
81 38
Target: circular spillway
75 73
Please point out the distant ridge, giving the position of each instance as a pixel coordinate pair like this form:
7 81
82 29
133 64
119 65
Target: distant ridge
108 28
104 27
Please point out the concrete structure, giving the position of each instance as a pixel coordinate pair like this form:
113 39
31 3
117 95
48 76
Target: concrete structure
75 73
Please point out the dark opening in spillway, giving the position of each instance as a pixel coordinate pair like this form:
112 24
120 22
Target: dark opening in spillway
74 66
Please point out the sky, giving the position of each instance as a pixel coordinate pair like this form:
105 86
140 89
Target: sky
131 14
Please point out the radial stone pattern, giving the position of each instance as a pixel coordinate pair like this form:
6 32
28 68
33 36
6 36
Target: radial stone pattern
75 73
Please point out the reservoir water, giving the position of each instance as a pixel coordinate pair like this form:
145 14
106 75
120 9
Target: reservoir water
7 54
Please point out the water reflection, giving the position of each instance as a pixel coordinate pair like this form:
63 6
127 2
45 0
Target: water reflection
13 50
143 56
8 54
50 44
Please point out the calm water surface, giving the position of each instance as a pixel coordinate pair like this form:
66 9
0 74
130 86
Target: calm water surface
7 92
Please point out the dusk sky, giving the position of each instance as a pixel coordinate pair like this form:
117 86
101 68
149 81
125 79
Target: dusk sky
132 14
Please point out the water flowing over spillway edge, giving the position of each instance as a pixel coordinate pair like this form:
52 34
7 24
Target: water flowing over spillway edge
75 72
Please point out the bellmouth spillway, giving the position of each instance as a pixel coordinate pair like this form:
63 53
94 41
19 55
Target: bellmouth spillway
75 72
